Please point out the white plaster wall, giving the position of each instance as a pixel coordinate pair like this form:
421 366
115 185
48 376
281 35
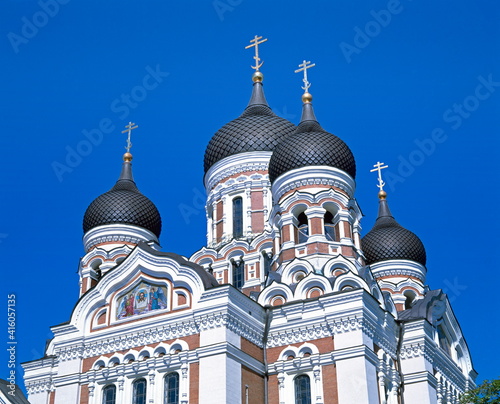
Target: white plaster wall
220 380
39 398
67 394
419 393
220 334
357 381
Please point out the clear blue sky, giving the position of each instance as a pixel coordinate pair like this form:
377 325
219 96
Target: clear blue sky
413 84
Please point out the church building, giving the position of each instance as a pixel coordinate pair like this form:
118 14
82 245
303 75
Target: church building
286 303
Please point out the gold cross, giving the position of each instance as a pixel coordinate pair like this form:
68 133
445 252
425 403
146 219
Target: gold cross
379 167
129 128
256 43
303 68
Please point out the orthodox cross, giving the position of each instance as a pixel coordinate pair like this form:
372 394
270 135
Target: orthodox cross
256 42
303 68
129 128
379 167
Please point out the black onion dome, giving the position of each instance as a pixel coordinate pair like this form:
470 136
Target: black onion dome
123 204
258 128
388 240
311 145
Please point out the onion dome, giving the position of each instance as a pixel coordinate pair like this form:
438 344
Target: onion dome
388 240
310 145
123 204
258 128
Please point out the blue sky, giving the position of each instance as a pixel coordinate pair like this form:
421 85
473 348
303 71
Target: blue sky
413 84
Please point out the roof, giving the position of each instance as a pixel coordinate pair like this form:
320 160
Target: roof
258 128
311 145
123 204
388 240
16 395
208 279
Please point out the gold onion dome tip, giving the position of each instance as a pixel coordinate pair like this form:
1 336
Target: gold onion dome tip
307 97
257 77
127 157
382 195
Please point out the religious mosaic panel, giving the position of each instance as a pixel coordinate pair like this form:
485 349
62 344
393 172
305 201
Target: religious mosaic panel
142 299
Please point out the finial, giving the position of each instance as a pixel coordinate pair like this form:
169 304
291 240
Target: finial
379 167
306 97
129 128
257 76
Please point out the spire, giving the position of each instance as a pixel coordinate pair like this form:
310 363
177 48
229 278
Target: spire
388 240
308 121
126 179
258 97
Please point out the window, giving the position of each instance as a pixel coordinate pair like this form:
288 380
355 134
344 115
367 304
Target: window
303 228
238 274
139 392
267 262
302 390
238 217
329 227
410 298
109 394
171 388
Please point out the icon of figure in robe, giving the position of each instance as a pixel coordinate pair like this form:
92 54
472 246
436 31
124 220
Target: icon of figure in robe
141 303
154 299
129 305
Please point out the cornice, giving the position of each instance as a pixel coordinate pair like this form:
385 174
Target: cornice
322 175
235 164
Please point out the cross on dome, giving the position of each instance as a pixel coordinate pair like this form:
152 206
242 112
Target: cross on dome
303 68
129 128
379 167
256 42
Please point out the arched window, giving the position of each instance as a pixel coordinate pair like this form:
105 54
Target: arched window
171 389
238 217
410 297
109 394
302 390
139 392
303 228
238 273
329 227
267 258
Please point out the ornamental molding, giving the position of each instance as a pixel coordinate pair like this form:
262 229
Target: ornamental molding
123 341
242 328
117 233
235 164
415 351
311 363
399 268
298 334
304 176
40 386
438 359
